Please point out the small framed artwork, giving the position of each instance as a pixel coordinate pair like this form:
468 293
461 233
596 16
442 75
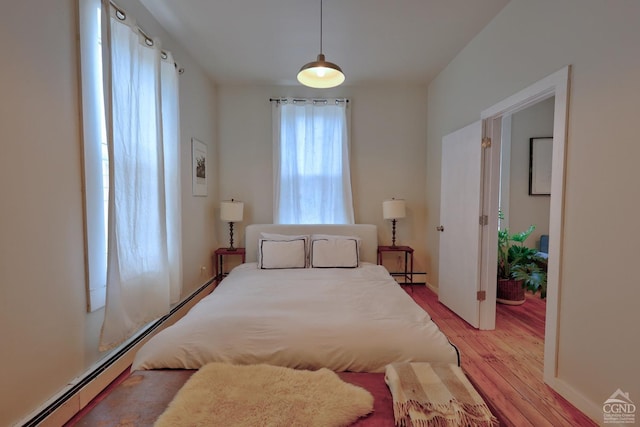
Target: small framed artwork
199 167
540 156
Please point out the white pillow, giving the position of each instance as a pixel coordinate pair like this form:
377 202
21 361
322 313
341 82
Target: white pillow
334 253
274 254
286 237
338 236
275 236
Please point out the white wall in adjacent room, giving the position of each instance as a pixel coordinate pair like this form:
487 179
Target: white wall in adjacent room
526 209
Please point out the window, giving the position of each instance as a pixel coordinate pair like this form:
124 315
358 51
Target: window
131 171
95 152
312 183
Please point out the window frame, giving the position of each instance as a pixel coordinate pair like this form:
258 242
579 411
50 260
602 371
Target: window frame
93 137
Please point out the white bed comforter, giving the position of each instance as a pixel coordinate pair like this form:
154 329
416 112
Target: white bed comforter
342 319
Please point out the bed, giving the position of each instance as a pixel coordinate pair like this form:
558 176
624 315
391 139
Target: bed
330 306
336 321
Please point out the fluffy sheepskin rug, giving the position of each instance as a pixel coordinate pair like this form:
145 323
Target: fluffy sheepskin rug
264 395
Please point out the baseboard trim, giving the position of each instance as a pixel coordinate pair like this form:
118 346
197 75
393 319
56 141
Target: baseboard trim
83 389
577 399
433 288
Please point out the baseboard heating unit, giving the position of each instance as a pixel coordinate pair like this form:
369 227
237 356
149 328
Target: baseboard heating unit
64 405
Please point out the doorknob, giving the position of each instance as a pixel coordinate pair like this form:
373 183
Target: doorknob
440 228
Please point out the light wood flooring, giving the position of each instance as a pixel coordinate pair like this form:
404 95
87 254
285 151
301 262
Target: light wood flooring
506 365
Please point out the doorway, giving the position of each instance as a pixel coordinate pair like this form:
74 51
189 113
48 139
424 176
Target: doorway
522 205
556 86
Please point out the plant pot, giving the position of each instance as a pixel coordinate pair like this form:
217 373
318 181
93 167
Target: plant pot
510 292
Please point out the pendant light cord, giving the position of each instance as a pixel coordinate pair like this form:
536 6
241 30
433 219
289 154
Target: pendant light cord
321 27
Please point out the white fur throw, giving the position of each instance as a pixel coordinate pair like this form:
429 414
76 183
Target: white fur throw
264 395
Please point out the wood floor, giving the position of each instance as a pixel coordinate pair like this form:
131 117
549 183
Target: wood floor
506 365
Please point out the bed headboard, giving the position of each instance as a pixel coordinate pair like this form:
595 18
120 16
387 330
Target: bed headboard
367 232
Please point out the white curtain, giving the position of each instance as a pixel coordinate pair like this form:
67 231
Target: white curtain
143 261
312 180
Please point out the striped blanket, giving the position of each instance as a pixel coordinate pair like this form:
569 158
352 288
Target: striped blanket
438 395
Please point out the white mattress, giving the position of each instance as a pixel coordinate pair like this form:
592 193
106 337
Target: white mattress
343 319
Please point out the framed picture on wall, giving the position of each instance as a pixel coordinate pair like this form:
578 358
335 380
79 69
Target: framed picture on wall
199 167
540 156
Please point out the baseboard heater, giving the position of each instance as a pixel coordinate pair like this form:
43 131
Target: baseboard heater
419 277
110 360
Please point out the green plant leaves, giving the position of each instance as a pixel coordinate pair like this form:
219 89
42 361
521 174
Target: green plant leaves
520 262
523 235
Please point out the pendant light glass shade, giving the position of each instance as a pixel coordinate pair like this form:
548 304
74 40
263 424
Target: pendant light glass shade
320 73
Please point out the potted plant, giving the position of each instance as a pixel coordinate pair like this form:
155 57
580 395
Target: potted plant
519 268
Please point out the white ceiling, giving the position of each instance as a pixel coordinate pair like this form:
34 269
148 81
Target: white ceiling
267 41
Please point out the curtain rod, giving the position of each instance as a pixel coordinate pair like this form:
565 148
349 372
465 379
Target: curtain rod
313 100
122 15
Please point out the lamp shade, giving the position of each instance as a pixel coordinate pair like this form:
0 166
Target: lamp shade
394 209
231 210
320 74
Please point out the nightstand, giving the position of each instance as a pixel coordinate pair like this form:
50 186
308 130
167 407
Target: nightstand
219 259
407 275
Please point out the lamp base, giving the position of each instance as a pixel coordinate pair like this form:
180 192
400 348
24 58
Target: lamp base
231 248
393 233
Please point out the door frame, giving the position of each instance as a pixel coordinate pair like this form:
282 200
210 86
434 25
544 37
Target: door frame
556 84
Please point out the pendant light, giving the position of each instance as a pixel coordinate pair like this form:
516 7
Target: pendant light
320 73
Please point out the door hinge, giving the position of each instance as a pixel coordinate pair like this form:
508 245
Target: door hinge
482 295
486 142
484 220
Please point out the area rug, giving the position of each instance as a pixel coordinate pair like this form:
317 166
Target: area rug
264 395
438 395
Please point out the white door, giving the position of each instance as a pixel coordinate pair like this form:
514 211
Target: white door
460 229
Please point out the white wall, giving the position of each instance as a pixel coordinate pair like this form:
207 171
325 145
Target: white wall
388 134
598 347
47 336
524 210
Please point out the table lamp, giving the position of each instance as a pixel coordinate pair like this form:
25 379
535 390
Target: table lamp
393 209
231 211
